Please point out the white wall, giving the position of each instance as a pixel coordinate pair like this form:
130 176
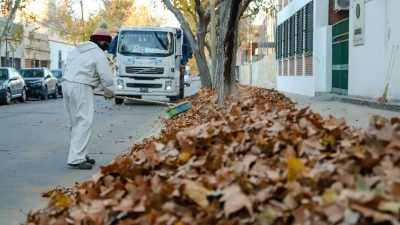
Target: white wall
368 63
303 85
55 46
322 51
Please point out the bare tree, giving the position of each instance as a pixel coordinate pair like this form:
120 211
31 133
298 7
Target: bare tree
198 41
230 12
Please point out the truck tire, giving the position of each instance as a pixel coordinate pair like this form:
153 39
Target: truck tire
182 92
119 101
174 98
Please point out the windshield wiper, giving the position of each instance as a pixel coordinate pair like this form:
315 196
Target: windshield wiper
161 42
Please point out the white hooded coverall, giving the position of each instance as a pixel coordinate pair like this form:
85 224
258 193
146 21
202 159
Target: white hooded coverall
87 66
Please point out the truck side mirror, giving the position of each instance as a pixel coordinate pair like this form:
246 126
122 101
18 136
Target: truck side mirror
184 49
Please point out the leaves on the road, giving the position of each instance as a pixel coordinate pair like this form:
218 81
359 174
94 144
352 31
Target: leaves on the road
257 161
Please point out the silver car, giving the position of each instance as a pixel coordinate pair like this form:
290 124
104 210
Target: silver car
12 86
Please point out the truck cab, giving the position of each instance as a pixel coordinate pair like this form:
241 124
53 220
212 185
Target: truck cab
148 62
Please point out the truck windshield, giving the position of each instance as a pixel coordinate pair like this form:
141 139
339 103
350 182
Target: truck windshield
153 43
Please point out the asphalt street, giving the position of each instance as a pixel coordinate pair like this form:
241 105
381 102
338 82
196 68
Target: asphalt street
34 144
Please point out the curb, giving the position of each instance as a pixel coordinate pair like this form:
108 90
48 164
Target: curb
391 106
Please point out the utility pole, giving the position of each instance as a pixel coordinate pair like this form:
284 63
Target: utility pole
213 44
249 41
6 59
83 19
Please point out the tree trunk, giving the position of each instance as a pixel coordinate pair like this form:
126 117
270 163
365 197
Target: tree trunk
9 21
197 46
200 55
227 48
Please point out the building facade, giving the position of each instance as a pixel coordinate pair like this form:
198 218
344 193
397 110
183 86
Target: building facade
59 50
12 48
338 46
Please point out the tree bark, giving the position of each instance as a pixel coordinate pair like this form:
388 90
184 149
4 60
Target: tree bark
197 43
230 12
9 21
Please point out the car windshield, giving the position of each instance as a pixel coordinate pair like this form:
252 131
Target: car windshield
156 43
57 73
3 74
31 73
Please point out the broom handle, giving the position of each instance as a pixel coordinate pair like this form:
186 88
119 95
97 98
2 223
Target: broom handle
390 63
140 100
394 60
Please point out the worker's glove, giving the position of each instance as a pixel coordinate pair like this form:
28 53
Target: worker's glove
108 98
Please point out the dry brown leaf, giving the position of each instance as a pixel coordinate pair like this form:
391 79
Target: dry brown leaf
234 199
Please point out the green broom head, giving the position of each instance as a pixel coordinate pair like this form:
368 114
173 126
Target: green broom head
179 109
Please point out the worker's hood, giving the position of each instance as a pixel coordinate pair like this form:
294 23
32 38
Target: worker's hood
85 46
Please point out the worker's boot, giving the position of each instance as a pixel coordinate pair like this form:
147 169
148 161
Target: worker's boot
91 161
82 166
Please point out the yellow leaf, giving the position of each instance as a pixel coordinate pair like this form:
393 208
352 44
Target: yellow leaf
184 157
59 202
295 167
209 106
329 196
393 207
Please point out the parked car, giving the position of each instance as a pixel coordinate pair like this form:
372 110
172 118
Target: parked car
40 82
58 74
12 86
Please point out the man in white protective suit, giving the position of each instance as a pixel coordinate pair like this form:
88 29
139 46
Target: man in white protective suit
87 66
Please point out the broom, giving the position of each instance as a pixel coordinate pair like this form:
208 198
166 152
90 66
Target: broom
388 75
173 110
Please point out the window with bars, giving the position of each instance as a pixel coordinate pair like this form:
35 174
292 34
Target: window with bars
278 46
292 36
285 40
308 27
295 35
299 32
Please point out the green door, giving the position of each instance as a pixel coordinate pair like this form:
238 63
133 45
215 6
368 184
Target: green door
340 57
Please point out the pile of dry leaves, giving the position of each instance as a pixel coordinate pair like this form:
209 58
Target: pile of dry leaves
255 164
205 105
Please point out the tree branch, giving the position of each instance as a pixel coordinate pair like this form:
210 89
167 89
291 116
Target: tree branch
243 6
183 22
194 16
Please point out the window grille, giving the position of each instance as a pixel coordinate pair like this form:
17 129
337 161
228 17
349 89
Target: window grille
308 10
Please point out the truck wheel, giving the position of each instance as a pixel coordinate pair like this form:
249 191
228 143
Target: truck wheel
174 98
182 92
118 101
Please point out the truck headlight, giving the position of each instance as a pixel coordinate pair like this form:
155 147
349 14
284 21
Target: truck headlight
2 87
168 85
120 84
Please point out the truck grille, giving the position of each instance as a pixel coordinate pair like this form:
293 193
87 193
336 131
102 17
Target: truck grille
133 85
144 70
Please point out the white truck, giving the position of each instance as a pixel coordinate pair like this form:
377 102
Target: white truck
150 61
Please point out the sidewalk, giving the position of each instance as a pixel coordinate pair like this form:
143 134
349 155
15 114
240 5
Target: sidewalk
357 112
